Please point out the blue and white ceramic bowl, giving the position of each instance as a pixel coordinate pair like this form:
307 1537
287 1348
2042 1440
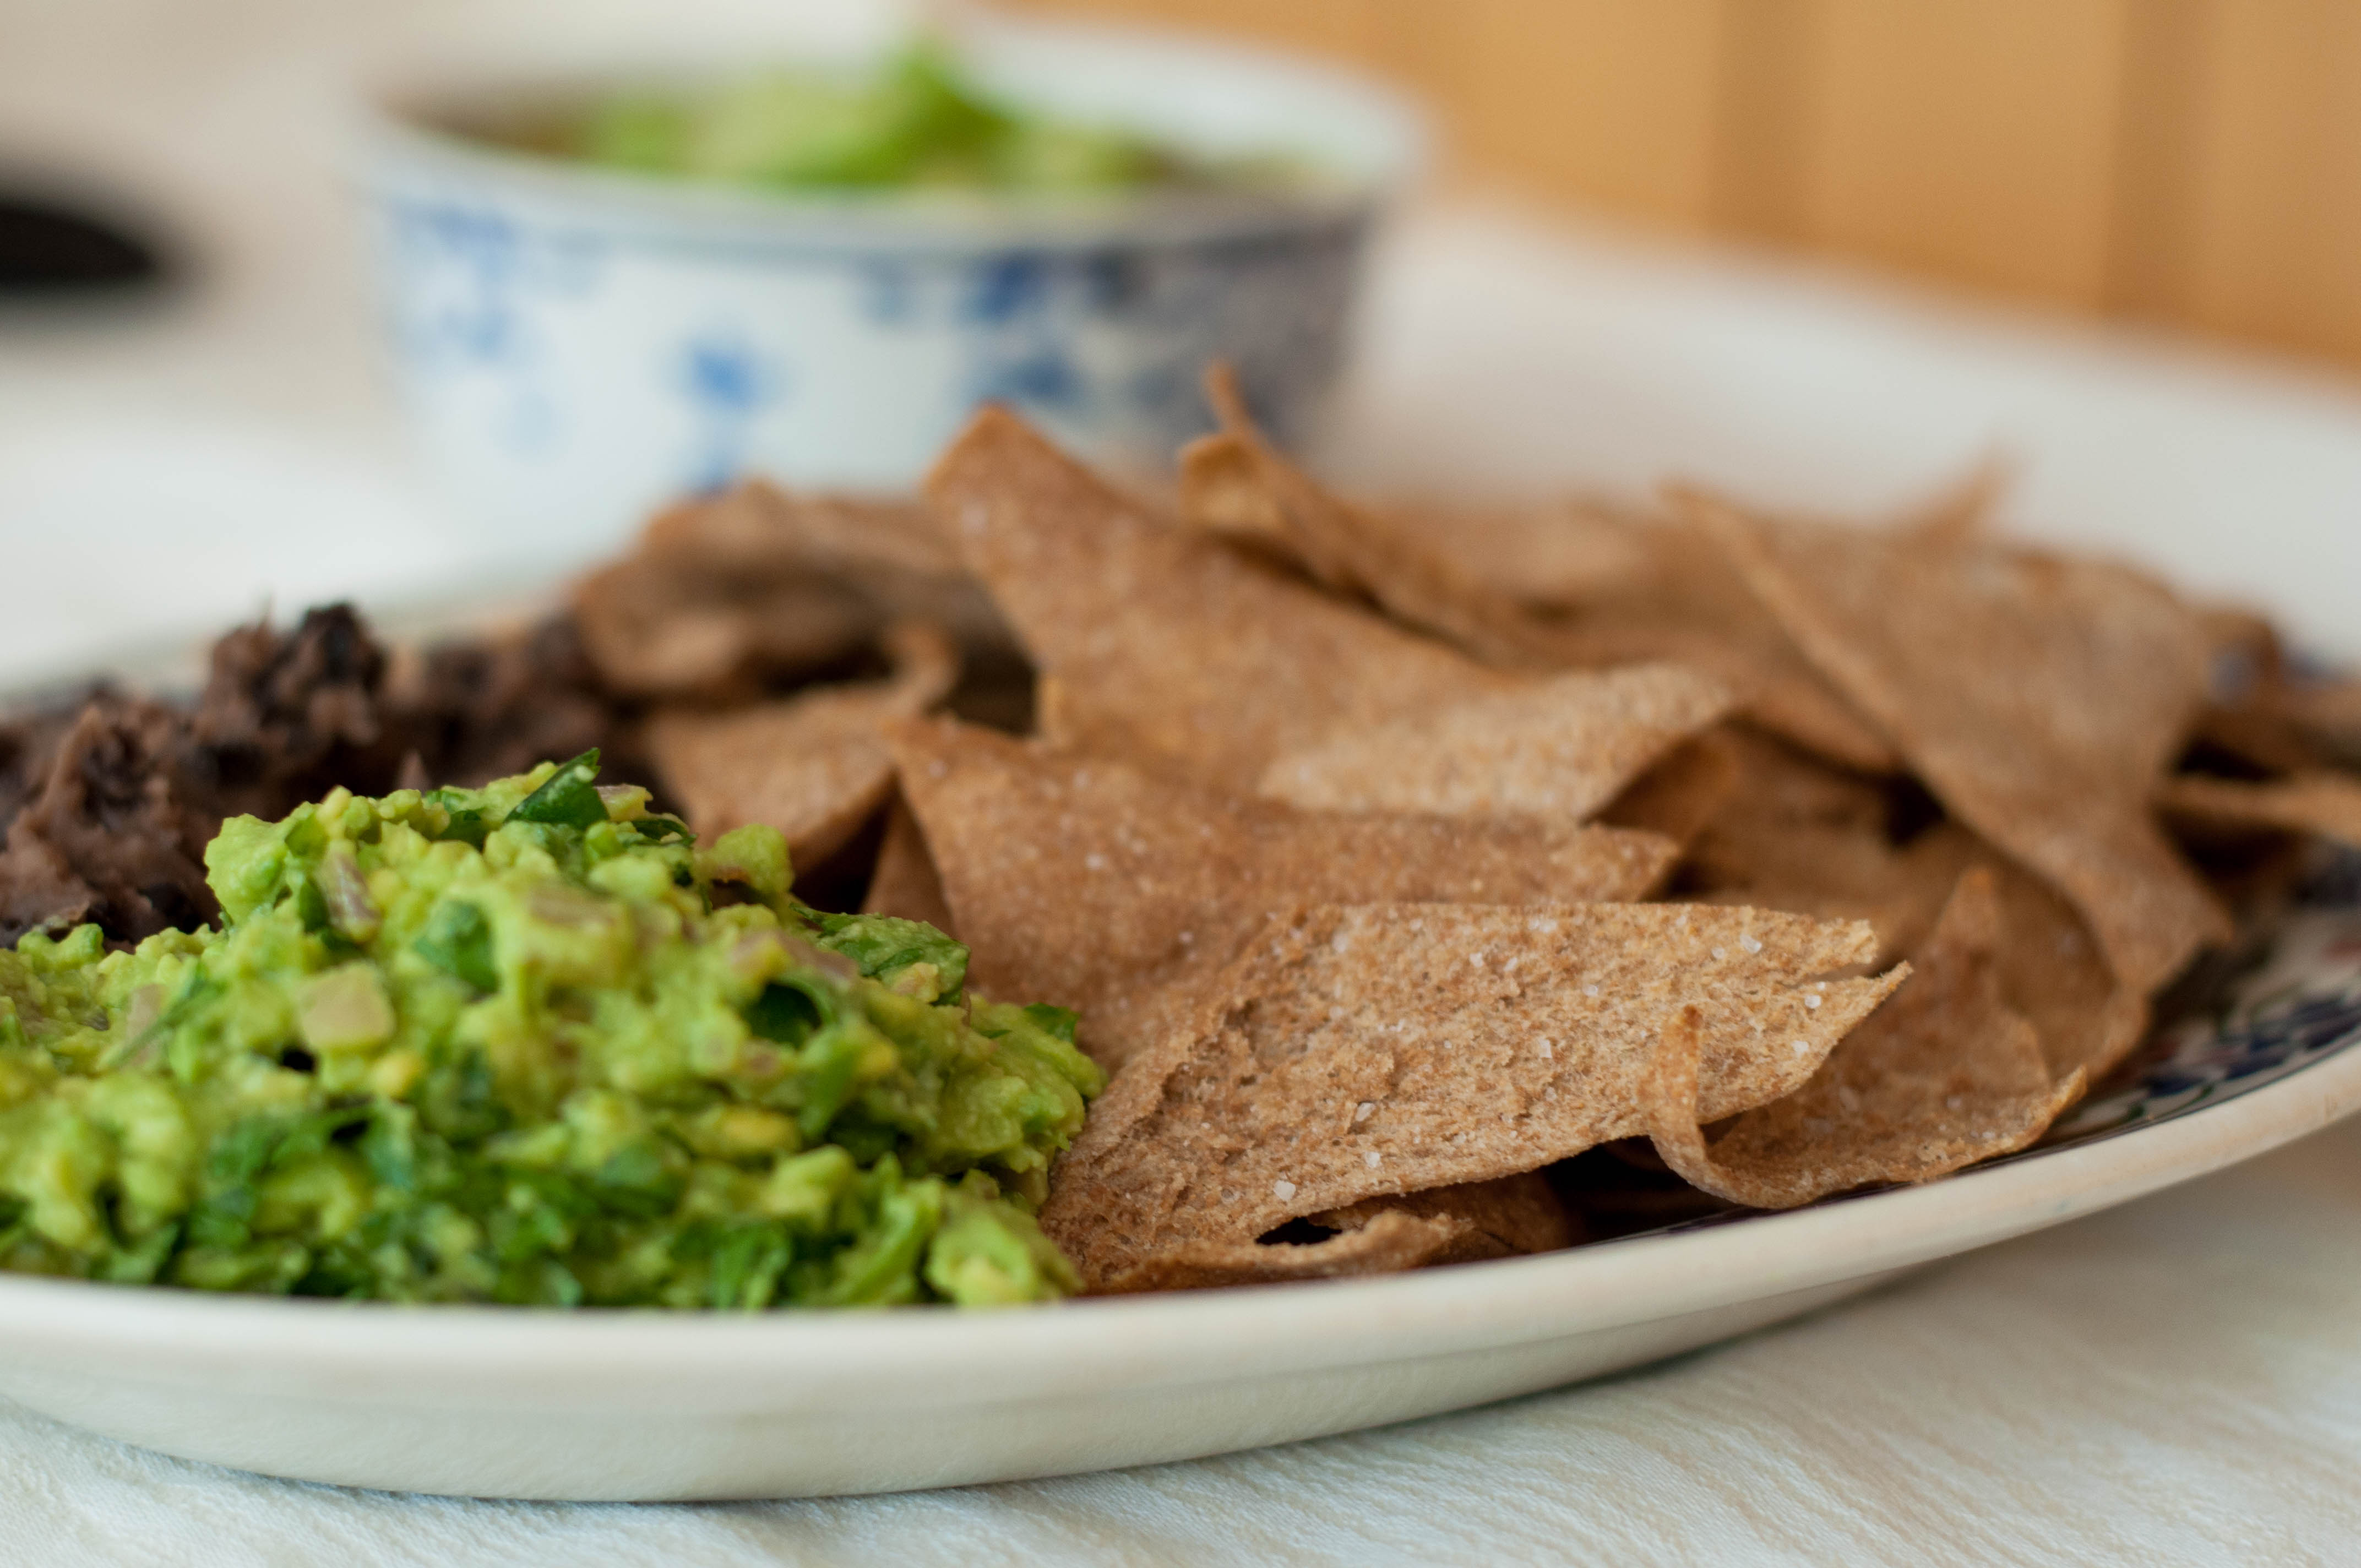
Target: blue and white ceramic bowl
579 346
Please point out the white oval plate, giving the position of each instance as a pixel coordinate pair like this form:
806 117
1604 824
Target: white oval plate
508 1402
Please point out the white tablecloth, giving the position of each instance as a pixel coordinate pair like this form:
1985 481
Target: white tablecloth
2178 1382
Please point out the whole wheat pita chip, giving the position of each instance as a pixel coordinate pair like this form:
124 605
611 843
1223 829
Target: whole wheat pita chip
1801 837
1552 556
1942 1074
2325 805
2328 713
1560 746
1781 784
1087 883
1961 511
1798 835
2039 698
2052 970
1355 1052
1830 870
2260 736
1683 793
904 883
754 526
814 766
1180 650
1690 606
1236 482
1469 1224
894 553
1387 1244
724 593
664 634
1508 1217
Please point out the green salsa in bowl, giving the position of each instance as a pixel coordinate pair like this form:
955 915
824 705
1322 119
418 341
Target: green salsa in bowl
919 120
528 1043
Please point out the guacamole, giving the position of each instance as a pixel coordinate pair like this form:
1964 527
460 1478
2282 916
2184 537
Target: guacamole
528 1043
918 121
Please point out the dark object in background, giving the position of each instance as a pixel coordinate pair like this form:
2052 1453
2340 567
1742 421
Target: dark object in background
48 249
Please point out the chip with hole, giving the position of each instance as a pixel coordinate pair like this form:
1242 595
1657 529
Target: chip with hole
1355 1052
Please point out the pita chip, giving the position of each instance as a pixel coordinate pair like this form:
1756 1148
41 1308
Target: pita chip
1943 1074
2052 969
1690 606
1185 654
2039 698
1561 745
1236 482
1389 1242
2325 805
1516 1214
1682 794
1507 1217
1961 511
1088 883
1358 1052
904 883
1550 557
815 766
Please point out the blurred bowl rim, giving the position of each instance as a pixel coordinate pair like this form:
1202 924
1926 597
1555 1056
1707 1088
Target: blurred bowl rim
1371 141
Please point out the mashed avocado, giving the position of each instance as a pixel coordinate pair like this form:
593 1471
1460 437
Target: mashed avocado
528 1043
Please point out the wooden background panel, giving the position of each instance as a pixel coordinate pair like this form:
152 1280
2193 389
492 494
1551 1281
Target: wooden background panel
2269 225
2197 161
1976 139
1615 103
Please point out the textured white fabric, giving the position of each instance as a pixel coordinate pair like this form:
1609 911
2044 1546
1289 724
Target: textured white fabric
2178 1382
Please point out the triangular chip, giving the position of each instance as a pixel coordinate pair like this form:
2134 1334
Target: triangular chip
1561 746
1087 883
1236 481
2039 698
1552 556
1944 1074
1683 793
814 766
1689 605
1801 837
904 883
1355 1052
754 527
2326 806
1961 511
2328 712
1830 870
2052 970
1183 650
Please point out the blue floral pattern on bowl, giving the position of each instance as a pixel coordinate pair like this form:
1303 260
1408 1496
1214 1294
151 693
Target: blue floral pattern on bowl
568 378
